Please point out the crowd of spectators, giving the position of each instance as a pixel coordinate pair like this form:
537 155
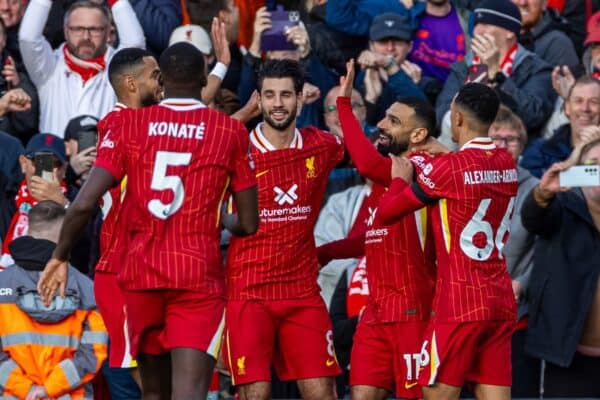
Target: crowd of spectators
542 57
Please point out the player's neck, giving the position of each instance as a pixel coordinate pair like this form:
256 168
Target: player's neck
183 94
280 139
465 138
130 101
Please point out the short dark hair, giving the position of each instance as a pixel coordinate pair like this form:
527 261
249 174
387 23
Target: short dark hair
282 69
124 60
44 215
424 113
182 67
88 4
582 80
480 101
202 12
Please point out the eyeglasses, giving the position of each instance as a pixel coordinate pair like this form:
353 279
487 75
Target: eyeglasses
506 139
94 31
333 107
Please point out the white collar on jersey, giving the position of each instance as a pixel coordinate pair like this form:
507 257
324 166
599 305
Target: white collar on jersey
263 145
482 143
182 104
119 106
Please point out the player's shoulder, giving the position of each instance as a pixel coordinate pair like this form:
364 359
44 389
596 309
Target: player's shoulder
312 135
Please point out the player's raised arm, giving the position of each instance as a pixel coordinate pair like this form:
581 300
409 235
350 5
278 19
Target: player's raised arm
366 158
79 213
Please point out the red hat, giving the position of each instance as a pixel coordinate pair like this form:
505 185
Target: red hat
593 29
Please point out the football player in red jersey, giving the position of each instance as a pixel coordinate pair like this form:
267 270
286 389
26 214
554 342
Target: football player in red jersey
180 158
275 314
469 336
387 349
135 78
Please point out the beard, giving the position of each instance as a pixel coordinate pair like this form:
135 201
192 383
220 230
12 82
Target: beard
76 50
390 145
280 125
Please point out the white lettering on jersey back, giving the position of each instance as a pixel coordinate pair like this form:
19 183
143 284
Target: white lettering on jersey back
176 130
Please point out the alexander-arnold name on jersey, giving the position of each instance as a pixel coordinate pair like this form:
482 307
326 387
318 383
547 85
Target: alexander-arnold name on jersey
176 130
285 197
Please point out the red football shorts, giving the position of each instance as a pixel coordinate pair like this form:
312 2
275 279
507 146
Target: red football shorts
477 352
111 304
163 319
388 356
294 336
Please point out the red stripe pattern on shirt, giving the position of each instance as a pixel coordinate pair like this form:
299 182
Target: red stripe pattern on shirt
280 260
179 158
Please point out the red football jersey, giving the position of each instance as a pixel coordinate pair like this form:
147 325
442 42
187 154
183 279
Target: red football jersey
111 238
401 256
280 261
180 158
401 268
476 188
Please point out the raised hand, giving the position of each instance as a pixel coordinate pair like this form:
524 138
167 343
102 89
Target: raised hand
262 22
562 80
218 33
347 82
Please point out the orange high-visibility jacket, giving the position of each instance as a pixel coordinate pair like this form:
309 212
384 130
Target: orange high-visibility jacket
60 347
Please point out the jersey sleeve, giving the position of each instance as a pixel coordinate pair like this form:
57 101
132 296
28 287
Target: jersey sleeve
434 177
363 153
242 171
111 154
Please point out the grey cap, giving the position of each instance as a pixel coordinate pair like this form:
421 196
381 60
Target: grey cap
391 25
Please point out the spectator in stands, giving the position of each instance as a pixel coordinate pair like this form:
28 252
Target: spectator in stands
349 298
344 176
55 351
439 42
10 178
582 108
355 17
508 132
19 104
34 189
11 13
575 12
543 33
80 160
564 289
158 19
319 78
202 13
386 73
521 78
72 79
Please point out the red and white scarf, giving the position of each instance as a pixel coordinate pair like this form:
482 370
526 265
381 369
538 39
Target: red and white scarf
85 68
506 66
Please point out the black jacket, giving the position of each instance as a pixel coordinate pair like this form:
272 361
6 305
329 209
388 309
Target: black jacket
564 276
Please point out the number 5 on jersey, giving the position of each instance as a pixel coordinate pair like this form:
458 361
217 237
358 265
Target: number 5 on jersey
161 182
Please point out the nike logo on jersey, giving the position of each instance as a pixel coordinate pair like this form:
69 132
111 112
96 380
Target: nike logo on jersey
330 362
261 173
410 385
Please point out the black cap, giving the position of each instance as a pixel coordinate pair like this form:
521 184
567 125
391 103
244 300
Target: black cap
502 13
80 124
391 25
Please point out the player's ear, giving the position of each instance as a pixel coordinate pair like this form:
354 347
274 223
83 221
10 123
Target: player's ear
130 83
418 135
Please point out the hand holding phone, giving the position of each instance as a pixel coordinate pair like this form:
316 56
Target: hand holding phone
580 176
44 165
87 139
275 38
